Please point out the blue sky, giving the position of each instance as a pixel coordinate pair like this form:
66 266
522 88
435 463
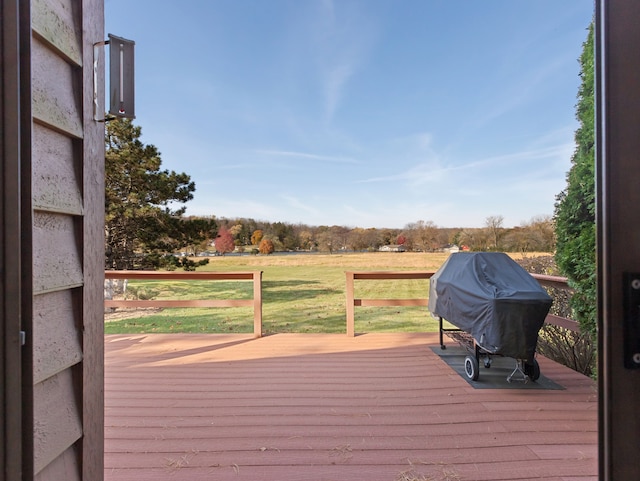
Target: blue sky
362 113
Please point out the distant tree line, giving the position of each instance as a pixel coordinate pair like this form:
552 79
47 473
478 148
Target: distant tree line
537 235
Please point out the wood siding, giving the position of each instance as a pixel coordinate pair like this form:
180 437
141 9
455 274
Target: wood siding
68 222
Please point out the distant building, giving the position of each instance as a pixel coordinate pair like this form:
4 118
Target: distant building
392 248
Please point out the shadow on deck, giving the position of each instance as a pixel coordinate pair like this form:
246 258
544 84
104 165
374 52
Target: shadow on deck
330 407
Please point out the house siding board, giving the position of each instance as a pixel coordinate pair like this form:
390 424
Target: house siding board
54 91
56 182
57 263
64 468
56 336
56 22
57 417
68 241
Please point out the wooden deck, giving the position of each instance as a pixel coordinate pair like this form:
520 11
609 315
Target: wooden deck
329 407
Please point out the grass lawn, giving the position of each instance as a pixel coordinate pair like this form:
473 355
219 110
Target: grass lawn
301 293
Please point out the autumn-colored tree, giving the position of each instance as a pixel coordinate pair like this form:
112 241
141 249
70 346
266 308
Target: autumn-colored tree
329 239
266 246
306 240
236 231
360 239
401 240
256 237
424 235
388 236
224 241
537 235
475 239
284 235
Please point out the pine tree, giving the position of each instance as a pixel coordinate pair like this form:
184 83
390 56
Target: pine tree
140 223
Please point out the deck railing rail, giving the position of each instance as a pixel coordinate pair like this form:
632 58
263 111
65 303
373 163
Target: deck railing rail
352 302
562 284
256 302
255 276
379 275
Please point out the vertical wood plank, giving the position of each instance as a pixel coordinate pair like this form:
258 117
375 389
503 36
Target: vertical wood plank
257 304
618 173
93 261
350 306
14 378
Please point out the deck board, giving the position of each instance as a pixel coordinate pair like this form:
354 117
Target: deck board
330 407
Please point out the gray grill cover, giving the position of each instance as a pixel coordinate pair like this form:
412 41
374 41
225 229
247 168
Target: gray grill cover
490 296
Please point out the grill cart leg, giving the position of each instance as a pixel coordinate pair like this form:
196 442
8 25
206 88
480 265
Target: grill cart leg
487 361
520 368
483 355
442 346
533 370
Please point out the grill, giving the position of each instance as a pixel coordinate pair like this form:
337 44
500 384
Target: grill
496 306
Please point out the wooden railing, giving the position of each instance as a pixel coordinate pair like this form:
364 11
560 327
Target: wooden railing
255 276
558 283
256 302
384 275
352 302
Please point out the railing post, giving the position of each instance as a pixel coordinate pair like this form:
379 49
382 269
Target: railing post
257 304
350 306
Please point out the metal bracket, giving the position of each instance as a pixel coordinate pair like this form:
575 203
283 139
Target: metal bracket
96 57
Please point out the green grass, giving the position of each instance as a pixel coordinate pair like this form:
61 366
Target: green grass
304 293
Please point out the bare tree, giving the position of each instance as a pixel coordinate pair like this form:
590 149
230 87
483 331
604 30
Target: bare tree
493 224
475 239
424 235
536 235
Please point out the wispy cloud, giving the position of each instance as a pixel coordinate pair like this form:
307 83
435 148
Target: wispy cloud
418 174
299 205
551 152
345 39
522 89
308 156
337 77
430 172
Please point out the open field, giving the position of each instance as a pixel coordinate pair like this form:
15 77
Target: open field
301 293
